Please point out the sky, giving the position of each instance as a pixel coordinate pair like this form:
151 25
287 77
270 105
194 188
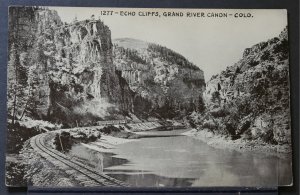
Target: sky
211 43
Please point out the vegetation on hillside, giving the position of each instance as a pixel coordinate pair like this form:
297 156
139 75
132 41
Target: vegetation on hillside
171 56
250 100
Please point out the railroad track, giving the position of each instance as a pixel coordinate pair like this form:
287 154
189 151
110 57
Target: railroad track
57 157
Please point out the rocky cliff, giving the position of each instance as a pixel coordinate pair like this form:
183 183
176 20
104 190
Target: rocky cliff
251 98
169 82
71 73
70 70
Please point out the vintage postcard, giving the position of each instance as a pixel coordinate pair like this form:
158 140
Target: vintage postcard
141 97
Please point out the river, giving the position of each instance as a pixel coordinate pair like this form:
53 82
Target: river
182 161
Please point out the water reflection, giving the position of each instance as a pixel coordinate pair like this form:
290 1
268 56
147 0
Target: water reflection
184 161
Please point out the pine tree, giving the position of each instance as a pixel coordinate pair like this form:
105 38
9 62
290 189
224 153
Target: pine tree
12 83
18 89
201 105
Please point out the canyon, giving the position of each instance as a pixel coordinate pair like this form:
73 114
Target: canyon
250 99
73 74
125 103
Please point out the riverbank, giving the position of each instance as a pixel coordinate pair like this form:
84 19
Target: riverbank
112 136
221 142
153 161
138 151
106 143
154 126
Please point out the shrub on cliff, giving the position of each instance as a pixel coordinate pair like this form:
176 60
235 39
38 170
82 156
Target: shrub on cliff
215 97
192 124
219 112
209 124
282 49
253 63
109 129
244 106
268 137
244 126
231 128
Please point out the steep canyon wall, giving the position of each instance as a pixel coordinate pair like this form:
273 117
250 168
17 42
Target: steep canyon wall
72 73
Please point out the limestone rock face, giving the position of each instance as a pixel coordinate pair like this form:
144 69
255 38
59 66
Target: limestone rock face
76 76
70 65
159 75
82 65
257 89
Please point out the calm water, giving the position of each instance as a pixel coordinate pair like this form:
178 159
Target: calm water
178 161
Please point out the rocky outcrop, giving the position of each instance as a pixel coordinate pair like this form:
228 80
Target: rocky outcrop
160 76
251 98
74 75
70 66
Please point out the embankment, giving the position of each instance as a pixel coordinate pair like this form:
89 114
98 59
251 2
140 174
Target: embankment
221 142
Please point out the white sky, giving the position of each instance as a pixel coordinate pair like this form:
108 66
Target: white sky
210 43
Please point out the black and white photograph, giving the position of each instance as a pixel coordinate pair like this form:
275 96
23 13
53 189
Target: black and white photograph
148 97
